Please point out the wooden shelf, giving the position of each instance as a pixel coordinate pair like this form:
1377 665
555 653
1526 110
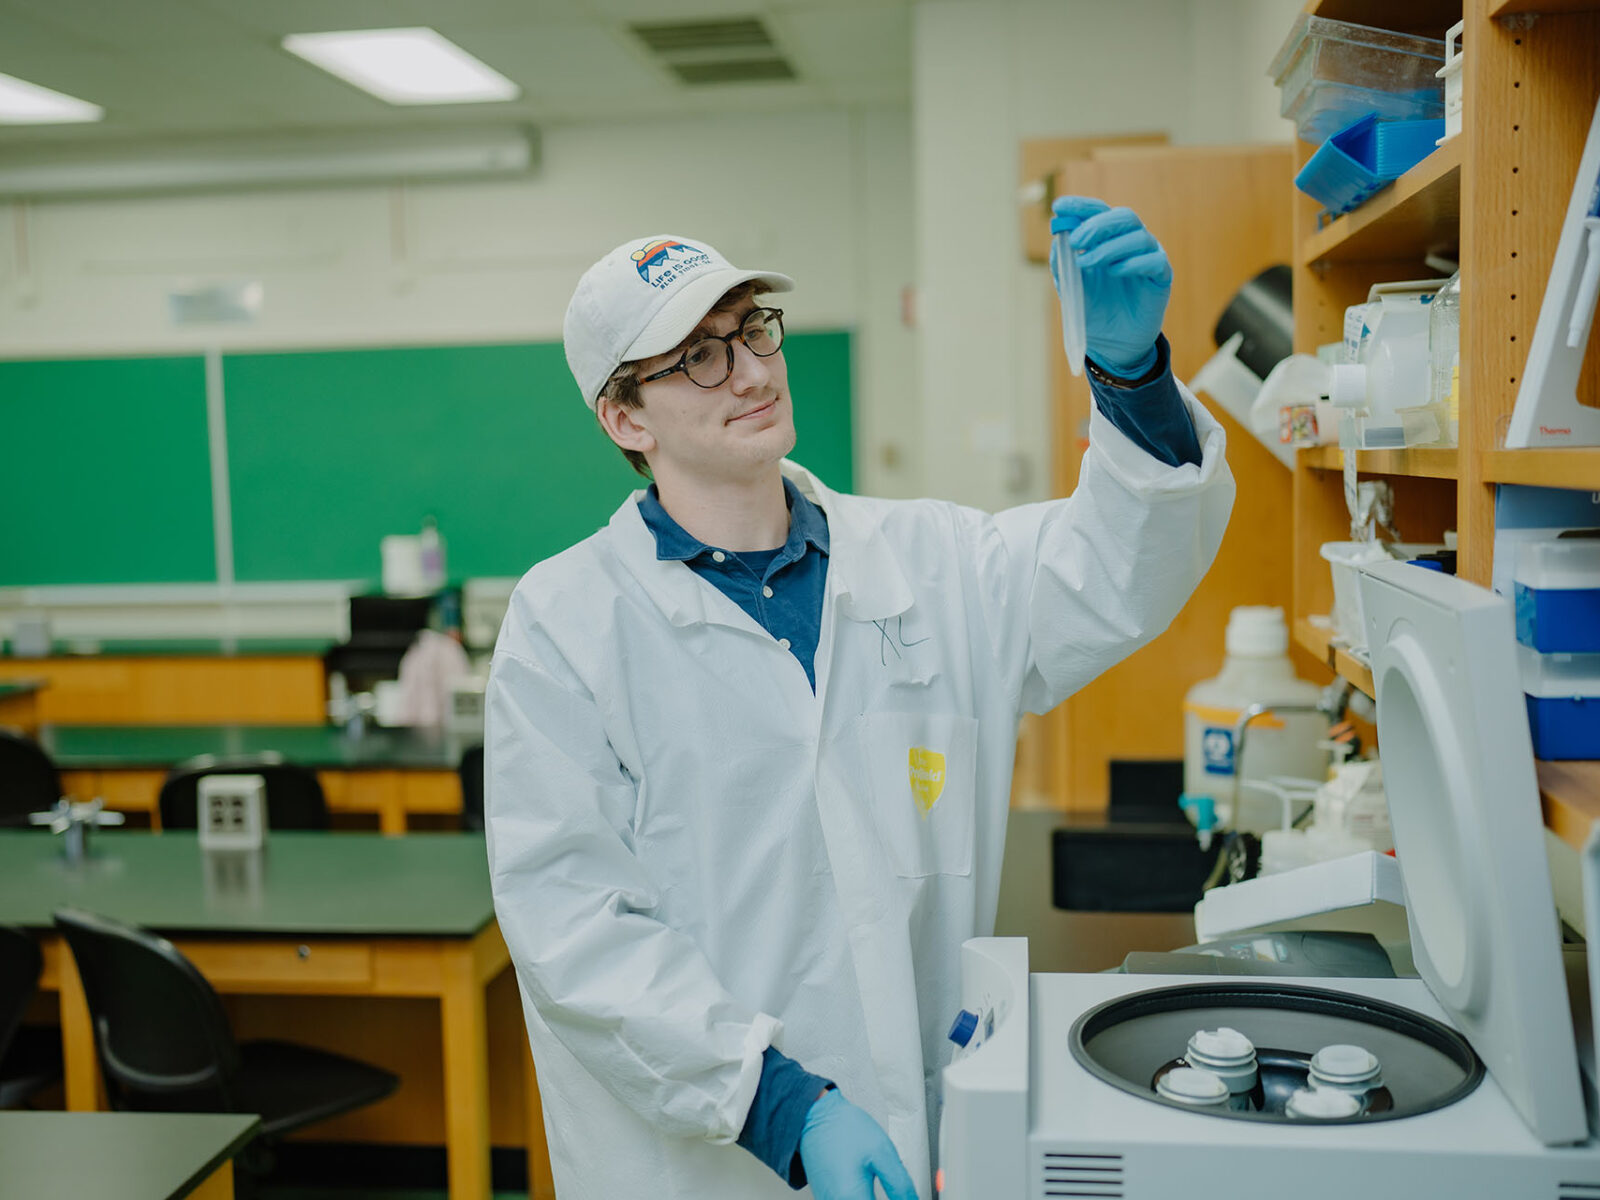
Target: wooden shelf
1575 468
1507 8
1429 17
1424 462
1318 641
1570 795
1419 211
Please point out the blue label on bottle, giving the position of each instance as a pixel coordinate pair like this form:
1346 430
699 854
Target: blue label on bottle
1216 751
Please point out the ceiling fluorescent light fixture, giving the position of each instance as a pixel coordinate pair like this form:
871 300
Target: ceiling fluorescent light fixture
248 162
24 103
403 66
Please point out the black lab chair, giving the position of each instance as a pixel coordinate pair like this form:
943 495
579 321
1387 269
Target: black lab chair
164 1042
471 773
29 781
294 794
30 1057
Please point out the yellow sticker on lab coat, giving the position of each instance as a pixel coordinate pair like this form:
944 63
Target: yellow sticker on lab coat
927 777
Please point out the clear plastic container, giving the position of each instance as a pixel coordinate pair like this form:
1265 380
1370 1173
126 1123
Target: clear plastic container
1331 72
1444 356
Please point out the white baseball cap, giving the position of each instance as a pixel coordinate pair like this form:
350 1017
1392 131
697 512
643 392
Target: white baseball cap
641 300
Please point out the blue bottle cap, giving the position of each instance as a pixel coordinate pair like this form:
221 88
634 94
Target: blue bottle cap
965 1026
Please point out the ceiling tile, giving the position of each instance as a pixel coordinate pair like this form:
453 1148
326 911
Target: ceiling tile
90 75
312 16
556 61
119 26
844 44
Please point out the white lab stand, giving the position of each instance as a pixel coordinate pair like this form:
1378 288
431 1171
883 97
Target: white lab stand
1053 1097
1547 411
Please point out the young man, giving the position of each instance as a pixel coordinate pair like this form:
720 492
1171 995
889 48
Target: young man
750 746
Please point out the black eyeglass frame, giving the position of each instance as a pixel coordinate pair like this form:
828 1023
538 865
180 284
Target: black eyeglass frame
727 341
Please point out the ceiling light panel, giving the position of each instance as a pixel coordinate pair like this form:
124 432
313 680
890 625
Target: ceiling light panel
403 66
24 103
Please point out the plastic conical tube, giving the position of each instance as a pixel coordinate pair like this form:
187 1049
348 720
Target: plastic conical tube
1069 287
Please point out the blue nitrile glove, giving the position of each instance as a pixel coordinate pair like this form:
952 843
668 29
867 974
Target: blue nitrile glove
843 1150
1126 282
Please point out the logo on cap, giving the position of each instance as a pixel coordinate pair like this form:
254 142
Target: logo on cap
661 263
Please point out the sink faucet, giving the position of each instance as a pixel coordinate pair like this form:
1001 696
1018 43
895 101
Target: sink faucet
75 819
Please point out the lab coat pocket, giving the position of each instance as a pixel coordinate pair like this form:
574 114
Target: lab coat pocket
922 772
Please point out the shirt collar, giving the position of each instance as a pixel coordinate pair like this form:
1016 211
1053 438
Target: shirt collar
807 523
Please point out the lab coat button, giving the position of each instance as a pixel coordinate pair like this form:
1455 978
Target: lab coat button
784 642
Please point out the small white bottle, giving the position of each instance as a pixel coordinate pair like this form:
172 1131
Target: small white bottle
1231 1057
1344 1068
1193 1087
338 698
431 546
1321 1104
1256 670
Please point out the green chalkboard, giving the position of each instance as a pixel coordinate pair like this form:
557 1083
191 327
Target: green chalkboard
106 472
330 450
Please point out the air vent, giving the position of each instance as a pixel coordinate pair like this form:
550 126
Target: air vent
1577 1191
746 70
1083 1176
701 53
693 37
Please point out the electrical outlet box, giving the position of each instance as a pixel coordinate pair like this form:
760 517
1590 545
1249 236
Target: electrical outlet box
232 812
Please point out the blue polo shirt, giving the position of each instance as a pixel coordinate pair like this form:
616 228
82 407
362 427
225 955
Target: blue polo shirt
782 590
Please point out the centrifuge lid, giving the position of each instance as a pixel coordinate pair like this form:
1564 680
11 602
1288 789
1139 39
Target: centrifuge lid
1464 802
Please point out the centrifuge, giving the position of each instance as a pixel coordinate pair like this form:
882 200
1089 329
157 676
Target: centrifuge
1467 1080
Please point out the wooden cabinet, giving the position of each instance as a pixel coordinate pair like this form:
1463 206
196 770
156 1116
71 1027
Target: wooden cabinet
1498 193
176 689
1221 215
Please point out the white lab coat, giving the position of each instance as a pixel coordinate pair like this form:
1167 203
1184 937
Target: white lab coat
694 857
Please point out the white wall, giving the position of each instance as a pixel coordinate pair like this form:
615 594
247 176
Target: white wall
987 76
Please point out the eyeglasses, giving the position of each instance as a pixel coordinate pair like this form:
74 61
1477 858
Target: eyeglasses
709 362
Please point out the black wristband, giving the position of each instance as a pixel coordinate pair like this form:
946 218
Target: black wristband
1157 370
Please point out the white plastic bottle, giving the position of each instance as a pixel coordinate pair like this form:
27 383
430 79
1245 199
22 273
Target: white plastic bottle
432 553
1256 670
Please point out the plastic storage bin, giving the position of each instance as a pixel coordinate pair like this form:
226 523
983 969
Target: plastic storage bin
1364 156
1557 585
1331 72
1451 74
1563 692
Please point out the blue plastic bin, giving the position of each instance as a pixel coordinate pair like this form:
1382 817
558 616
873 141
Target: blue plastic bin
1364 156
1557 593
1565 728
1563 692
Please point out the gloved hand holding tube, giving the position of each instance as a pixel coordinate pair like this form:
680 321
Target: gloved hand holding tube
844 1150
1127 281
